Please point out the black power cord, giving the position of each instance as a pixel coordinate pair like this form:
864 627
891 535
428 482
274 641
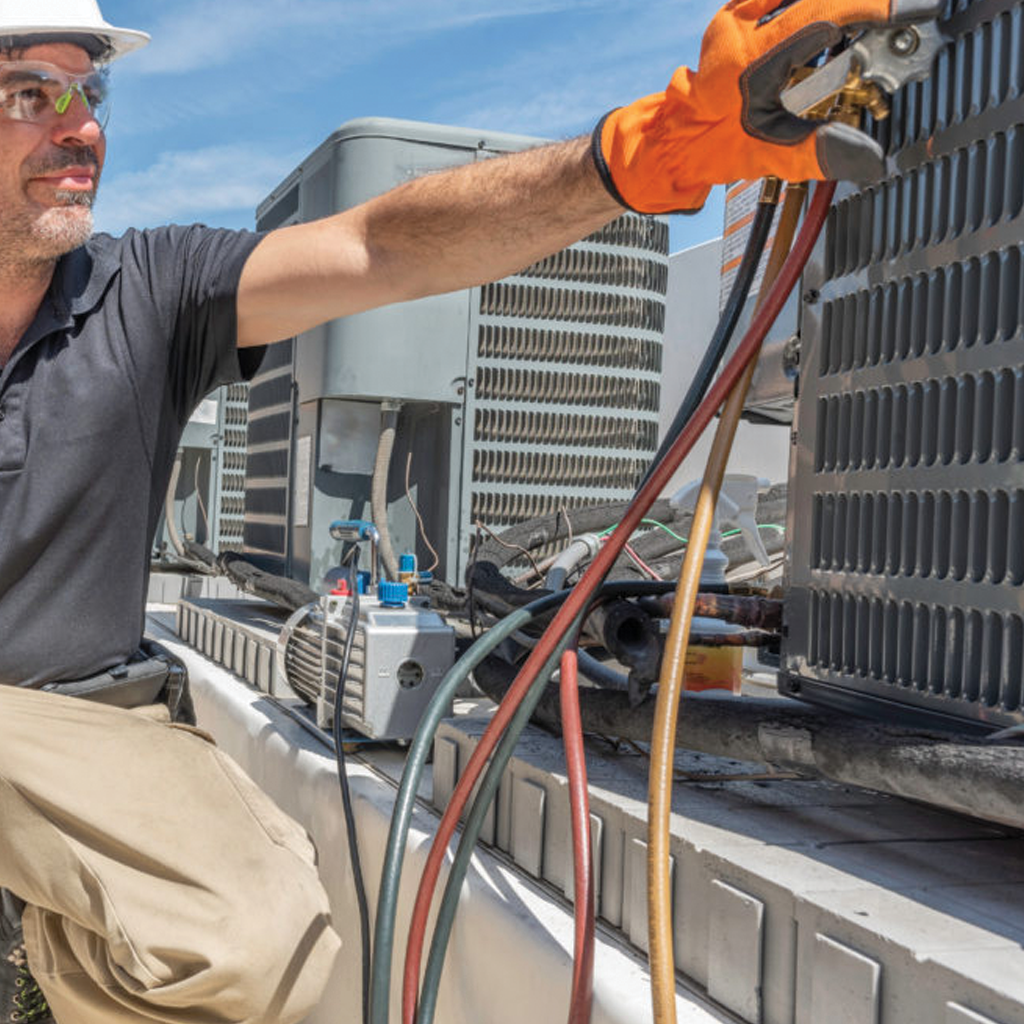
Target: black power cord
723 332
346 795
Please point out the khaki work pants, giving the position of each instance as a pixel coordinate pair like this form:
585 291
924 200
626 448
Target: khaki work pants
161 883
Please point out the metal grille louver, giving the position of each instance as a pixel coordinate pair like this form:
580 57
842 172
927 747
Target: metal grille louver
232 479
569 351
907 498
268 443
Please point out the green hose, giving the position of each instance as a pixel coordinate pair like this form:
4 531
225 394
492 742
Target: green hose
419 751
474 824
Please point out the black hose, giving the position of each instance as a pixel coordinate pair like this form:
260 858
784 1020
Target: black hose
346 795
544 530
723 332
286 593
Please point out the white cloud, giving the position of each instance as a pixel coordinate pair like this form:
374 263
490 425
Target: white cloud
562 85
181 186
210 76
202 35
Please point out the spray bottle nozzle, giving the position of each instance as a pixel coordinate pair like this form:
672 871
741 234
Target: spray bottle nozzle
737 504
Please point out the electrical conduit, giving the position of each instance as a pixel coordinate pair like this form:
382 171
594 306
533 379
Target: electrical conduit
379 486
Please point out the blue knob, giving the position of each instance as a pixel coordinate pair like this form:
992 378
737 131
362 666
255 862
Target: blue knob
391 594
363 578
407 563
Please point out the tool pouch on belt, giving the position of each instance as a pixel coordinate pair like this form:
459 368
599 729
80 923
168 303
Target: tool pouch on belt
151 676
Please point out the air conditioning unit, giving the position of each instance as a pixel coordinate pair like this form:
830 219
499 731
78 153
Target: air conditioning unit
536 393
907 484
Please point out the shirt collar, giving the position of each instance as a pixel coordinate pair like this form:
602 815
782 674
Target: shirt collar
79 283
81 278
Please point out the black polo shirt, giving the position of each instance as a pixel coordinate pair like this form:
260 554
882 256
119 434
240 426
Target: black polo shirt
133 332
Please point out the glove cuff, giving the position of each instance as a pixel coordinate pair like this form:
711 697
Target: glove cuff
640 167
597 151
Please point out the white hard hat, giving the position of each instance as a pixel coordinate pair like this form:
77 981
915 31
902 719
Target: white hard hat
67 18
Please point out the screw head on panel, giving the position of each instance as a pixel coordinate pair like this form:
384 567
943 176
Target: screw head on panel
905 41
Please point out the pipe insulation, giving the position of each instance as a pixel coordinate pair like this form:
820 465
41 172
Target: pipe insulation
957 773
581 549
379 486
172 487
548 530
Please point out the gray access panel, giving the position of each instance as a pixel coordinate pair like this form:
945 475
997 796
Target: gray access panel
410 351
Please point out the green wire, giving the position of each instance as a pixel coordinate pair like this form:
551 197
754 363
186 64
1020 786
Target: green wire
685 540
474 824
391 872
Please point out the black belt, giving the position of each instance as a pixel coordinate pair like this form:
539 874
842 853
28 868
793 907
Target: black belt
151 676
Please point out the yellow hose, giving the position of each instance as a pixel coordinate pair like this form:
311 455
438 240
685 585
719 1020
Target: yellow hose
670 683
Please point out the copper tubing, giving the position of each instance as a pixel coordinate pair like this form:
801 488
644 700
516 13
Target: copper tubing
663 738
754 612
746 638
581 1000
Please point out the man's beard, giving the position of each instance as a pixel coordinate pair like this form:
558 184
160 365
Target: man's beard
40 238
65 227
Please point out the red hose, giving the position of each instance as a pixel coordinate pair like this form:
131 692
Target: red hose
582 855
592 579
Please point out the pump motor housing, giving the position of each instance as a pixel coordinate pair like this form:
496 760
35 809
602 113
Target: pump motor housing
399 657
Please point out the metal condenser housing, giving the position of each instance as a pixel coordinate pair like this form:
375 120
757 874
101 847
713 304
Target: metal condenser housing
907 485
524 397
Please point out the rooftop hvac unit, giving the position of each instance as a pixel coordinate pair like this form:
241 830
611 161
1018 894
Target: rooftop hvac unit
907 486
513 400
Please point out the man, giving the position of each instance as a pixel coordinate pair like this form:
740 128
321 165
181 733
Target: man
146 878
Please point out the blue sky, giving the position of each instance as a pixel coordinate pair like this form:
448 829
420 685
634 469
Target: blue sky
232 94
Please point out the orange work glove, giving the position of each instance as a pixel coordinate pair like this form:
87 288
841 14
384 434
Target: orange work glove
726 121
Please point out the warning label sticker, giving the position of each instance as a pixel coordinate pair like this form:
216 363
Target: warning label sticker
740 208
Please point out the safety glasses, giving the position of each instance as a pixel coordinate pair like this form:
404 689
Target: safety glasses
39 92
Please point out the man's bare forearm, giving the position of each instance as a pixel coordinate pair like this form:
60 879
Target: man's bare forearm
439 233
486 220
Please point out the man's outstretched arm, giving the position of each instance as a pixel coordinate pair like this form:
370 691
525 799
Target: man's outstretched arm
439 233
661 154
